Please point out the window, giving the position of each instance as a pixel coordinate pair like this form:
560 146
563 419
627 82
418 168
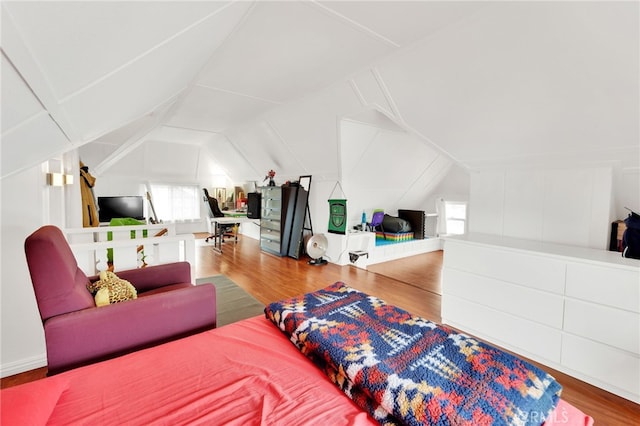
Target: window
455 213
176 202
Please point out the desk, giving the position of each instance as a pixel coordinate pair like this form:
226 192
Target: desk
234 213
217 229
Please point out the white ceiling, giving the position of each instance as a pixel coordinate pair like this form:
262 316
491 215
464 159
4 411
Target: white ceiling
476 81
100 66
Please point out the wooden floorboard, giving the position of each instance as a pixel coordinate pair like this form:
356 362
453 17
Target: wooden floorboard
422 271
412 283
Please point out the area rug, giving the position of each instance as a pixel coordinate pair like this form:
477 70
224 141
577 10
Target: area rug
234 304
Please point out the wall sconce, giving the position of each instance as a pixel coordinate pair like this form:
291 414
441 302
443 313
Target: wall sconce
59 179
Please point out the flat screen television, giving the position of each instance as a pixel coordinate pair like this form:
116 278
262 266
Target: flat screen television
119 207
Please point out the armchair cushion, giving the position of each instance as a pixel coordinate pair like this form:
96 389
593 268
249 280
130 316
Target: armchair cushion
89 335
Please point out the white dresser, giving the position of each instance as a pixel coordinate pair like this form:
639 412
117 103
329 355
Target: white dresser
574 309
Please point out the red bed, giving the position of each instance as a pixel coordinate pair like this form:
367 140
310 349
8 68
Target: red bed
246 373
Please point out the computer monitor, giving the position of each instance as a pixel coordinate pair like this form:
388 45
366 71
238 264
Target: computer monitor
121 206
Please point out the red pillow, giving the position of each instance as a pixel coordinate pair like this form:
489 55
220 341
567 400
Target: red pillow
31 403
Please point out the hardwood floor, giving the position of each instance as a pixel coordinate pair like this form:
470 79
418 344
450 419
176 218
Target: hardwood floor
422 271
269 278
412 284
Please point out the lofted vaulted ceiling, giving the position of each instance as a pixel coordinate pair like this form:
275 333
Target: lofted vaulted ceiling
259 85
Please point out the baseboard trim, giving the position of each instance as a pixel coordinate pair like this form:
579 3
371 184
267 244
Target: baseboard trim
16 367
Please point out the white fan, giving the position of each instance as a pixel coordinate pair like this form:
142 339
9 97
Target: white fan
316 248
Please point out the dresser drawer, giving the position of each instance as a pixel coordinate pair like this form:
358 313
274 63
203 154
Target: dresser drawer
619 370
533 271
615 287
534 305
513 333
614 327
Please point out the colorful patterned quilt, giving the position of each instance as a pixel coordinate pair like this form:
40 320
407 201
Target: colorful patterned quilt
405 369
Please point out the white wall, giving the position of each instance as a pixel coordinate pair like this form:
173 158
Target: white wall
565 206
27 204
626 184
384 166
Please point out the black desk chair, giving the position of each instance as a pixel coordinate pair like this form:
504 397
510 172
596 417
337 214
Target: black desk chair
214 211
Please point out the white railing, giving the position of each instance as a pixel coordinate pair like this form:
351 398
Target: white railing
127 247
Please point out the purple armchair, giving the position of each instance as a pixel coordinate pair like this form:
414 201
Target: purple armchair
78 333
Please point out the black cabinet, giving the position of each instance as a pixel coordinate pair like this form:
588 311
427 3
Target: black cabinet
253 205
282 218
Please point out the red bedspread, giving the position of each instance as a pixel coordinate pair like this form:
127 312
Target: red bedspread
246 373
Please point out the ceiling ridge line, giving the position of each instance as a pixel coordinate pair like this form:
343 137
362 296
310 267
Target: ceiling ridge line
374 108
191 129
357 92
439 148
244 95
428 140
386 93
142 55
356 25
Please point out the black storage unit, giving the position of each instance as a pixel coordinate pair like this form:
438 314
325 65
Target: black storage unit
253 205
282 219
